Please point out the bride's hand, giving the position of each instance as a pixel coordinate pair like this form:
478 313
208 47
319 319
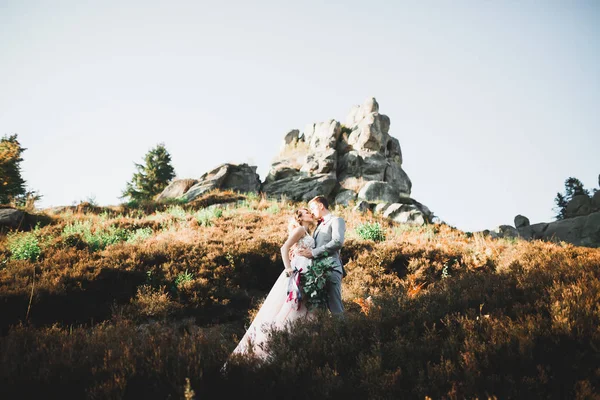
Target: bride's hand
305 252
288 271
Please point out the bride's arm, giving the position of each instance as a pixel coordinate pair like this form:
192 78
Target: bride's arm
292 239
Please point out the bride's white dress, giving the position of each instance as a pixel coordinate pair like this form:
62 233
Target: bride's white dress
280 308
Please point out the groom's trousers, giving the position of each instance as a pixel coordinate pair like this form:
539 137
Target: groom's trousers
334 293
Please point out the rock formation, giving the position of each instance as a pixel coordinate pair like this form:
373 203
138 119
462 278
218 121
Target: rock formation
581 225
351 163
241 178
355 162
580 231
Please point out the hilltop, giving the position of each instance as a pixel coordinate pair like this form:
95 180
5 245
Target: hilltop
128 302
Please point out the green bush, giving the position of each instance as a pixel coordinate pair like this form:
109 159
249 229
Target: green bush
24 246
183 277
371 231
178 212
206 216
139 235
97 239
274 209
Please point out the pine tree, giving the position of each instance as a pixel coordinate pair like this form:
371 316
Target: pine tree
561 206
11 182
152 177
573 187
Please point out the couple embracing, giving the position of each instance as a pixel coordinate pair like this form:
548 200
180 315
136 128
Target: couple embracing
313 234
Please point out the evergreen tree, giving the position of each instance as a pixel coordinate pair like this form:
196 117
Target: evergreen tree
152 177
11 182
573 187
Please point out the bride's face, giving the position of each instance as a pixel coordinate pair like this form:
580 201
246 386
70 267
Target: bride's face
307 216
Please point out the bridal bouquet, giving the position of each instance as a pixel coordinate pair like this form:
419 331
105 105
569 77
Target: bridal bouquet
314 282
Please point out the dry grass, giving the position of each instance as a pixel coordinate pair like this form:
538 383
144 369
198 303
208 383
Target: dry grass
432 311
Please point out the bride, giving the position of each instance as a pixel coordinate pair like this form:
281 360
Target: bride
283 304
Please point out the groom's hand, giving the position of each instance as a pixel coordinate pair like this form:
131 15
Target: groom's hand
305 253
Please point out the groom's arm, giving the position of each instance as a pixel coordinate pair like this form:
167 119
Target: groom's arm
338 229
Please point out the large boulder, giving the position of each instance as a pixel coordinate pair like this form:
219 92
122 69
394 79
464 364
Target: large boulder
380 208
240 178
11 218
578 206
580 231
405 214
590 231
596 200
301 187
362 206
505 231
521 221
378 191
345 197
176 189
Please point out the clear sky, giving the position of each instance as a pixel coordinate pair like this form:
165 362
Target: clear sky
495 103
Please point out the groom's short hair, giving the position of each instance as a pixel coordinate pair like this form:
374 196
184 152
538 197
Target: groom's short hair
322 200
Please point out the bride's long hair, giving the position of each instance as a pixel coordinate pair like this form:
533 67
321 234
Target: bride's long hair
296 219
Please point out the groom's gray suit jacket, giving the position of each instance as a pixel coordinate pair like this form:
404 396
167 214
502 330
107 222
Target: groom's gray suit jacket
329 239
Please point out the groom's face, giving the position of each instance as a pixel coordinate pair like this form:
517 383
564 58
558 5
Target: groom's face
316 209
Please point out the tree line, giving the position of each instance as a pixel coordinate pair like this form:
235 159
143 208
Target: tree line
151 177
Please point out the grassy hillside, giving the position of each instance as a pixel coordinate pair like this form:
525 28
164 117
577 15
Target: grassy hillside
128 302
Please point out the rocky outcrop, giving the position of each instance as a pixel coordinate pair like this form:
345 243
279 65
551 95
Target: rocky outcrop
367 152
580 231
355 162
580 226
306 165
176 189
241 178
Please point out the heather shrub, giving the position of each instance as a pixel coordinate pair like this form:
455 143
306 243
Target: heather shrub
430 311
153 302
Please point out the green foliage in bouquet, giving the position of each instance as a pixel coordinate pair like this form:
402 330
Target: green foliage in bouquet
314 283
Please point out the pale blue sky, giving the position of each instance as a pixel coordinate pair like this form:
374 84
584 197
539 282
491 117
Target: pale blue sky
495 103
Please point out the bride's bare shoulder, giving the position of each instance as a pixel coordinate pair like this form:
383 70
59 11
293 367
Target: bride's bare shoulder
297 232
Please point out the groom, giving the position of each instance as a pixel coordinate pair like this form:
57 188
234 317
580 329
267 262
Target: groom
329 239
